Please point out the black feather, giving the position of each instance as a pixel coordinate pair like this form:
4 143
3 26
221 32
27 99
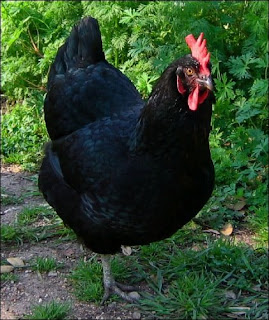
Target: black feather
118 172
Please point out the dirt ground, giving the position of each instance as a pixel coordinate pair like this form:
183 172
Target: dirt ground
17 298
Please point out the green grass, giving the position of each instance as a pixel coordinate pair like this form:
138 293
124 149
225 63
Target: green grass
9 277
258 223
9 199
49 311
87 281
87 277
25 230
217 278
46 264
192 296
193 284
191 274
16 235
30 215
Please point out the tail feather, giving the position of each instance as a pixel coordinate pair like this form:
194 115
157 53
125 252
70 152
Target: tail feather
82 48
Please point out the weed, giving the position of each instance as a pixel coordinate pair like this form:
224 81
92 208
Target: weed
8 199
15 147
13 234
24 229
7 277
30 215
87 281
46 264
87 278
191 284
17 234
258 222
190 296
52 310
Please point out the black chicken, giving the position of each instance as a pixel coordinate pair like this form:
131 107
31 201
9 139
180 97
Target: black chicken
118 171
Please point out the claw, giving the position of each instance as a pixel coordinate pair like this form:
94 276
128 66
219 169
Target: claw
113 287
126 288
116 289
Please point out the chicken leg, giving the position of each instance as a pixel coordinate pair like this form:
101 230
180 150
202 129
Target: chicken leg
111 286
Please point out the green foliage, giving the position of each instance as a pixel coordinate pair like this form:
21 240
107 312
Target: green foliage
45 264
208 282
8 277
50 311
31 34
192 296
30 215
8 199
23 135
33 225
87 278
87 281
16 235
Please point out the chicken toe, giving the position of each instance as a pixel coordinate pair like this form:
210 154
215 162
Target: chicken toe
113 287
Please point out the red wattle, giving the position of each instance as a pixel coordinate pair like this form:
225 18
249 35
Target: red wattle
193 99
203 97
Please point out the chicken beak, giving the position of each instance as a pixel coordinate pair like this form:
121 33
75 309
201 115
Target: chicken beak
206 82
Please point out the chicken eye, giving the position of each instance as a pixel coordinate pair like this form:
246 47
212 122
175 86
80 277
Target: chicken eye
189 71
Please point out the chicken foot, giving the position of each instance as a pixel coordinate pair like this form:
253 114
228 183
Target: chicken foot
111 286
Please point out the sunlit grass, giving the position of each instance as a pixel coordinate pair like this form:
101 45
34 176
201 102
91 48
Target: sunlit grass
45 264
51 310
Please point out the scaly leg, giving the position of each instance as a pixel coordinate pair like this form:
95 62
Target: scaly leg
111 286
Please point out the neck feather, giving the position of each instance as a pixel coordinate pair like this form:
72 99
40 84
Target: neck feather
167 124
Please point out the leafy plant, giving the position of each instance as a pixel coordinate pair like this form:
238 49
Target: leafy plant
45 264
7 199
23 136
87 278
52 310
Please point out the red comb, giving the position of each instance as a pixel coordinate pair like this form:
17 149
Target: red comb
199 51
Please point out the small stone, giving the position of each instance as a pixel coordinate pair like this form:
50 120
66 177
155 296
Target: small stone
227 229
6 269
10 209
127 251
52 274
230 295
257 288
69 253
28 271
39 300
134 295
214 208
136 315
112 305
15 261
